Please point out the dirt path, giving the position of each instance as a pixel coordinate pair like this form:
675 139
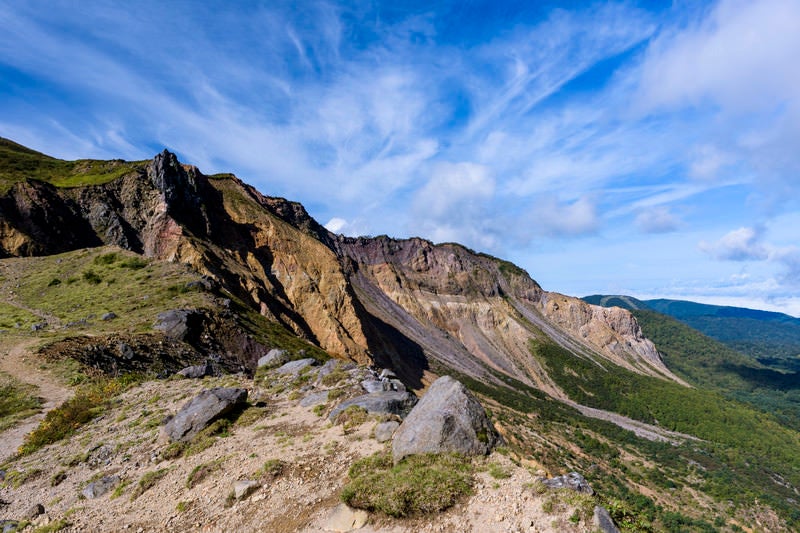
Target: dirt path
16 359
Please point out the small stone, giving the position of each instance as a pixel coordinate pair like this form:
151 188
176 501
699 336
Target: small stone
33 511
345 518
100 487
374 385
108 316
243 488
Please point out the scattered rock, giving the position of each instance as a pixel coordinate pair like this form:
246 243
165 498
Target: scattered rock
108 316
202 410
274 357
38 327
100 456
197 371
33 511
385 430
603 521
573 481
390 402
345 518
375 385
447 419
125 351
315 398
397 385
244 488
95 489
295 367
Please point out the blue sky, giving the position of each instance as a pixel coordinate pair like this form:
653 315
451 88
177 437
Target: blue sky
604 147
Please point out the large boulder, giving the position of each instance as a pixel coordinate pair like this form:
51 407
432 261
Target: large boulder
389 403
447 419
294 368
197 371
201 410
179 324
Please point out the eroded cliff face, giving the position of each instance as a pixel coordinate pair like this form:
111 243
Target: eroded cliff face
403 303
489 308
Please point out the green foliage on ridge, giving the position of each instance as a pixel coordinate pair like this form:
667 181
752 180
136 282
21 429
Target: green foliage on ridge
18 163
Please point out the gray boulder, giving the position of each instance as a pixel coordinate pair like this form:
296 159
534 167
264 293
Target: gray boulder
447 419
197 371
389 402
573 481
179 324
108 316
375 385
314 398
274 357
95 489
385 430
295 367
201 410
603 521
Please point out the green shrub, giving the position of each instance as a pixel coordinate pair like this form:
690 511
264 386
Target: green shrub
92 277
202 471
419 484
148 481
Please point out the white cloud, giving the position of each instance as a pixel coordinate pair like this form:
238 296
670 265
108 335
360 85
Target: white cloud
657 220
335 225
743 244
550 216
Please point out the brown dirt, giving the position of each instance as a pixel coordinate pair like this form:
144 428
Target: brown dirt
17 360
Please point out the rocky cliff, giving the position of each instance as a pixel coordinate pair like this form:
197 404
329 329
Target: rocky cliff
408 304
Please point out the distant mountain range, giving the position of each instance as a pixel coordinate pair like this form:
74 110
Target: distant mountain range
771 338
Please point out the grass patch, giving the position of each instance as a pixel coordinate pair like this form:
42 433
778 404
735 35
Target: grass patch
63 421
52 527
149 481
271 469
202 471
352 417
17 401
420 484
498 471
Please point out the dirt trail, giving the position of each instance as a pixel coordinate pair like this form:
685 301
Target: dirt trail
17 360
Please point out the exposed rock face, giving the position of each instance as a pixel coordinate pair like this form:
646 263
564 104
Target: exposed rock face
202 410
603 521
447 419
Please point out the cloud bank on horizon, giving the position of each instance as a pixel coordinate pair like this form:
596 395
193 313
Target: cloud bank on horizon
609 147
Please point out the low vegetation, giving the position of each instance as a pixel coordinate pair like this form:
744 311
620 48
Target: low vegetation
419 484
88 402
17 401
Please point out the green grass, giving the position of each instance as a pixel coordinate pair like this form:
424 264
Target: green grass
420 484
149 481
18 163
94 282
17 401
202 471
